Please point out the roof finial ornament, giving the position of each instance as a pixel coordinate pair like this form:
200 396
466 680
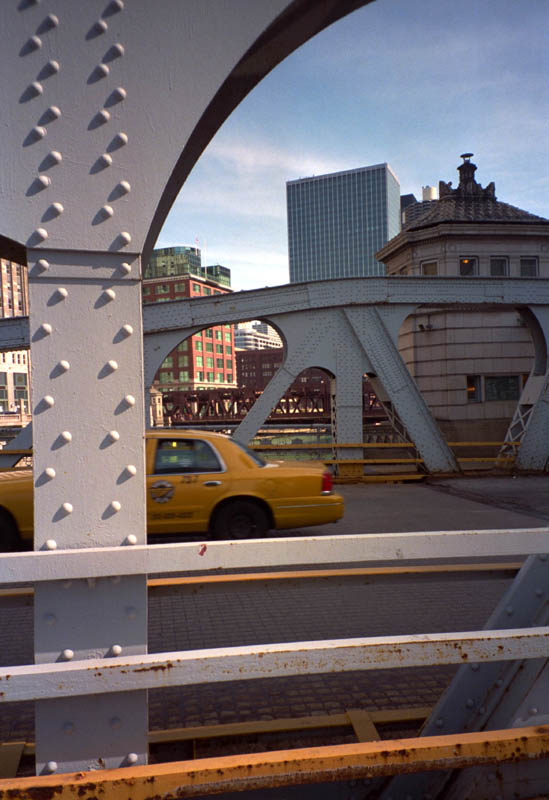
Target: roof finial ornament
468 187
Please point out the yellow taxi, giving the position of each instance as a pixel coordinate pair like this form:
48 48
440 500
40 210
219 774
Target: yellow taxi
201 482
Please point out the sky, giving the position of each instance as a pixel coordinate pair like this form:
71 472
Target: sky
414 83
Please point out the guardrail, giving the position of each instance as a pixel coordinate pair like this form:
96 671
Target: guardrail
117 672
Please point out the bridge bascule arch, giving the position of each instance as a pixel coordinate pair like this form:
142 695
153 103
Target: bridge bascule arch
109 110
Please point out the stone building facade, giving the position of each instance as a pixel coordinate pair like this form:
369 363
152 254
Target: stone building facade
471 367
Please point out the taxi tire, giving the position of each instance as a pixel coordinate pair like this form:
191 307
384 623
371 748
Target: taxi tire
240 519
10 541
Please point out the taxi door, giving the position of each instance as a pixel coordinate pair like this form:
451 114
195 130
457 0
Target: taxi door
189 478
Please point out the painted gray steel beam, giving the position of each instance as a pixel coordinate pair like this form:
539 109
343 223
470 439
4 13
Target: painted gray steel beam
534 449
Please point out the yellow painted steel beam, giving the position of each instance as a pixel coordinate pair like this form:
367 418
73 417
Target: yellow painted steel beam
288 767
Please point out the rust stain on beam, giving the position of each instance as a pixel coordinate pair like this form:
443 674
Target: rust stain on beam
288 767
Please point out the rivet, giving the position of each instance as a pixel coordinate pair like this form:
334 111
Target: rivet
39 131
67 436
51 544
106 159
475 667
116 650
44 180
539 592
131 468
118 49
103 69
125 186
41 233
50 620
115 436
35 43
112 365
62 292
543 557
533 711
91 582
107 211
115 723
51 766
51 21
116 579
101 26
482 710
110 293
439 722
125 236
50 472
53 66
119 93
128 329
131 538
104 115
125 267
54 112
57 209
42 264
131 612
36 88
121 138
116 505
68 654
117 5
509 610
68 727
67 508
64 365
129 400
132 758
499 683
55 156
49 401
67 584
46 328
470 703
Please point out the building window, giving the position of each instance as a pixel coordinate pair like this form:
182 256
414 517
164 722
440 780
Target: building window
207 291
199 376
199 361
229 364
473 389
183 374
162 288
168 362
219 363
182 347
228 349
502 387
209 347
20 378
227 336
198 344
229 377
219 348
209 361
180 287
528 267
209 333
183 361
166 377
196 288
468 266
219 335
499 266
210 377
429 268
219 377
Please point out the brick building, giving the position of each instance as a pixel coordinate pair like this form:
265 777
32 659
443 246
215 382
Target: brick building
14 365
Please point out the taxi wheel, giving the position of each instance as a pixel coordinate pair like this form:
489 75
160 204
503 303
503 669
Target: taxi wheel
10 541
240 520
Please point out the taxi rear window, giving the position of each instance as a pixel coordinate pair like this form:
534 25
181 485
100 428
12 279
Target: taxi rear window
254 456
185 455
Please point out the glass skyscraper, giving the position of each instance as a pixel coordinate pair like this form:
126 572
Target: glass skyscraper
337 222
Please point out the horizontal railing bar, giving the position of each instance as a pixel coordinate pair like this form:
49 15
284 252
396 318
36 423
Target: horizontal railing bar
298 575
262 771
374 445
97 562
184 668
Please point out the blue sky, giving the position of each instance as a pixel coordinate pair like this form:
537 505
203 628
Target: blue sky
410 82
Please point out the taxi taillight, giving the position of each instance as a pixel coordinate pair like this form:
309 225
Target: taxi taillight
327 483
